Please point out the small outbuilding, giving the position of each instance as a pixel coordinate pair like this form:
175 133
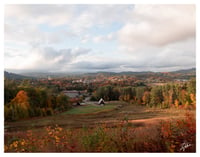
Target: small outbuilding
101 102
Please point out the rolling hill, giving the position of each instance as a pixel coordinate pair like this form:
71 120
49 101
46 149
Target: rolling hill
14 76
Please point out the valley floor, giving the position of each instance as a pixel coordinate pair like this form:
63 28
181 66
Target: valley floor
90 116
113 112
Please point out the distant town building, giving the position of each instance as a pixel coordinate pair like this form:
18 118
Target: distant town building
181 80
49 78
74 93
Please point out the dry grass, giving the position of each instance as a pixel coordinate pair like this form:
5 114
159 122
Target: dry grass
126 111
162 136
136 128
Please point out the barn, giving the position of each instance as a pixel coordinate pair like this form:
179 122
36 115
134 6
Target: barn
101 102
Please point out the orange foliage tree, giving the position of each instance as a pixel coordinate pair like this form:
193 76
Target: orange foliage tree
19 106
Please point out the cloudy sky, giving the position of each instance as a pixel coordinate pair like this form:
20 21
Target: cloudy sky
89 38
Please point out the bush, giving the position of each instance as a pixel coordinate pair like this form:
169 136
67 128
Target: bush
177 133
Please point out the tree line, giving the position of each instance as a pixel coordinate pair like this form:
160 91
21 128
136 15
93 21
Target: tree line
165 96
22 101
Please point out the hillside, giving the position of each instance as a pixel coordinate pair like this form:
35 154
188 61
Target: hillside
186 71
14 76
142 74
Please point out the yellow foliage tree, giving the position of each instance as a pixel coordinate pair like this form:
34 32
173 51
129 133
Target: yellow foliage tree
193 99
21 99
176 103
20 105
146 98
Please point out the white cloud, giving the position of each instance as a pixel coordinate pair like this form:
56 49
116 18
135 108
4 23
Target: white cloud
99 16
53 15
158 25
160 36
85 38
173 56
46 58
104 38
151 37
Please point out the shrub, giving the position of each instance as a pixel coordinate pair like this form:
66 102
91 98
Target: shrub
177 133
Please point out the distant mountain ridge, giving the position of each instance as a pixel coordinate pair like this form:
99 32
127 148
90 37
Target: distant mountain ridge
14 76
191 70
33 75
185 71
119 73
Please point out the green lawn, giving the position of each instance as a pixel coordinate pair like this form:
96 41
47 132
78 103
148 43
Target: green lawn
90 109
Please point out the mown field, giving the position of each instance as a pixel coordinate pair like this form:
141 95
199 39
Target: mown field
89 109
115 127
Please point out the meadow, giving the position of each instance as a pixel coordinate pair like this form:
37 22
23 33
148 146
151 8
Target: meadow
115 127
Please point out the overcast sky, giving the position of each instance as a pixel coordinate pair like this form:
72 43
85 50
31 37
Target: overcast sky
89 38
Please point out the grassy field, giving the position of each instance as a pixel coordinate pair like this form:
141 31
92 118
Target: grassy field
91 115
91 124
90 109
